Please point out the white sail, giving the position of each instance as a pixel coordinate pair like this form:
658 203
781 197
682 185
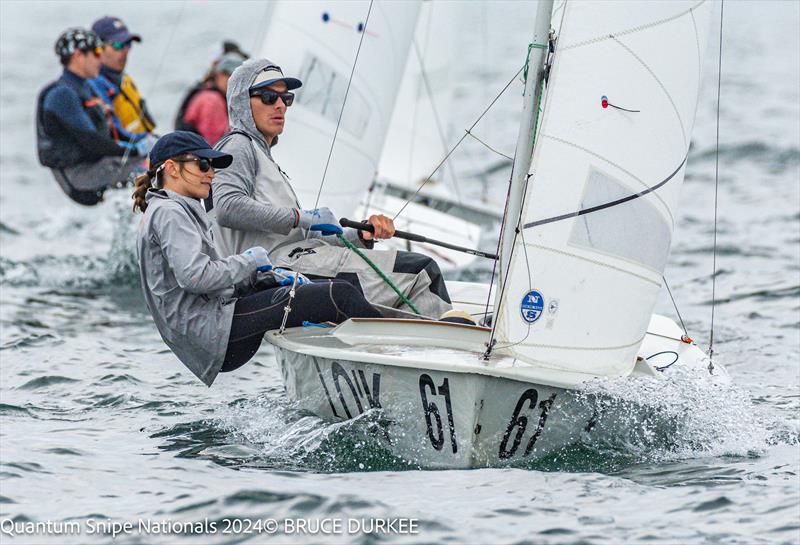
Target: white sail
414 143
317 41
584 274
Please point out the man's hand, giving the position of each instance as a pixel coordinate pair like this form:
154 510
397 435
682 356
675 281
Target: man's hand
384 227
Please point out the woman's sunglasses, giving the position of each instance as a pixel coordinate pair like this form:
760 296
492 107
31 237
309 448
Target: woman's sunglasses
96 50
203 164
269 97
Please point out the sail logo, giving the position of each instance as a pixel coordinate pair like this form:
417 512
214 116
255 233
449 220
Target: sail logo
531 306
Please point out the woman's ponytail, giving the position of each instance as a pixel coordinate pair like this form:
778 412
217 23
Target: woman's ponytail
141 185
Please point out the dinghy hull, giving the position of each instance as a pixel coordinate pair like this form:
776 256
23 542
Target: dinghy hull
439 419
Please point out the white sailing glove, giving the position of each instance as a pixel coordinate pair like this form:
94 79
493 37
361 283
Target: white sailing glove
317 216
259 256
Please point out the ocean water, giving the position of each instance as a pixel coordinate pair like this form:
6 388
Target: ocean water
99 422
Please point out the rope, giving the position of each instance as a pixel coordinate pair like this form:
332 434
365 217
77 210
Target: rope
375 268
449 153
716 189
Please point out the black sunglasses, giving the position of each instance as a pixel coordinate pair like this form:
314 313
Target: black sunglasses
203 164
268 96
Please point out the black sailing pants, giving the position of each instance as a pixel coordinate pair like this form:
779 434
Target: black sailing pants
322 301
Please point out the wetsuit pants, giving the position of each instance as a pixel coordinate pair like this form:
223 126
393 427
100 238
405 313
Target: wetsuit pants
85 183
322 301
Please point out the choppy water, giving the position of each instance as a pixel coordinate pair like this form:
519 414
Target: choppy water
99 420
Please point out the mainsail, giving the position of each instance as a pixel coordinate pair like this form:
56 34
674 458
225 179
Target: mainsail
317 42
598 212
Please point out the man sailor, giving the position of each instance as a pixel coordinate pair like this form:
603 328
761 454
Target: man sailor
115 86
255 205
75 133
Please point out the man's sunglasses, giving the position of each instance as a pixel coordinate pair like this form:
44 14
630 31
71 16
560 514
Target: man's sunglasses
119 46
203 164
269 97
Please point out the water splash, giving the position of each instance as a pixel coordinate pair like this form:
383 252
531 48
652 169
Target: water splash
683 416
117 267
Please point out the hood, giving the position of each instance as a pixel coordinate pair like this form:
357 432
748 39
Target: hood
240 116
193 206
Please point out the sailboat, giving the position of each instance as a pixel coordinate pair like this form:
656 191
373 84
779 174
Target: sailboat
609 104
386 133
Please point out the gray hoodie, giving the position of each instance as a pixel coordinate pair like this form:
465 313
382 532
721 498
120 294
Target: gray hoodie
188 287
254 203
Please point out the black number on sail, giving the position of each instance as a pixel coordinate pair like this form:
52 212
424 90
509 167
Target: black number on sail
519 422
432 412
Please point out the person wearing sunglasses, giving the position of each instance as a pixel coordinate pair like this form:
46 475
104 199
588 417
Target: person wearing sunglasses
75 133
117 87
254 205
204 109
212 311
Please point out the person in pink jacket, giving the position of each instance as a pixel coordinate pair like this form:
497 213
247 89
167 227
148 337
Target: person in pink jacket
205 109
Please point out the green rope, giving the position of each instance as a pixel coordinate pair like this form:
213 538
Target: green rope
527 57
380 273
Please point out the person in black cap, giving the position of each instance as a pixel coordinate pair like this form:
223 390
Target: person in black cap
114 84
211 311
75 135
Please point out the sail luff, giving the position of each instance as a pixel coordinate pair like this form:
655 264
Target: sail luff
585 270
524 147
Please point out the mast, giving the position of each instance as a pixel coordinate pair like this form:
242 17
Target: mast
524 149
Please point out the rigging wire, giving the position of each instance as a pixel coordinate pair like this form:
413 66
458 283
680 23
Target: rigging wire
716 188
436 117
674 304
344 103
156 75
288 308
449 153
262 27
490 148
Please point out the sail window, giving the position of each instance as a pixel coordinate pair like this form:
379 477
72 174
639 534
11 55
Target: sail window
634 230
323 92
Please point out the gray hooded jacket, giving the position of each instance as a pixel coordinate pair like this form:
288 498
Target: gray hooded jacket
254 203
188 287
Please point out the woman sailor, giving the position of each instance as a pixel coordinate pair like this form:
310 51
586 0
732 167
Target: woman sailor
211 311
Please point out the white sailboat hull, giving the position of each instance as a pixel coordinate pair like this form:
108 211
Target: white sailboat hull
435 419
441 404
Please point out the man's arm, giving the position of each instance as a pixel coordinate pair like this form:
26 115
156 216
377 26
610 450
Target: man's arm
65 105
233 194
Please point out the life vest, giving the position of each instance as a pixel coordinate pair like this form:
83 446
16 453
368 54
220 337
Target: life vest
55 147
180 123
128 104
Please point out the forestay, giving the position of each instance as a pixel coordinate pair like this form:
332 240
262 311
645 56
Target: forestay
317 42
585 273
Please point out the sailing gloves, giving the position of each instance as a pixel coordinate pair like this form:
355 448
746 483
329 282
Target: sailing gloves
319 219
285 277
258 255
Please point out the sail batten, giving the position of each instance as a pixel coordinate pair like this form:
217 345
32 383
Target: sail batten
598 213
